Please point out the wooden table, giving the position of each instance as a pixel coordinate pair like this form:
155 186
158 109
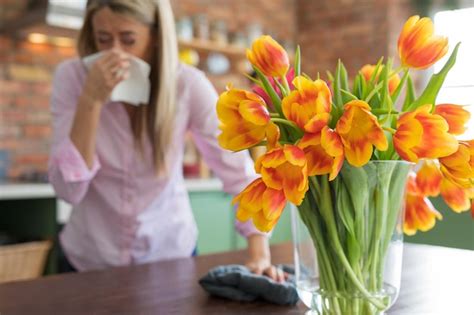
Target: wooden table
436 280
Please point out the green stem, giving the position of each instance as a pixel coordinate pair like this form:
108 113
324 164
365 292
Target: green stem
380 111
311 219
292 125
327 212
391 130
285 84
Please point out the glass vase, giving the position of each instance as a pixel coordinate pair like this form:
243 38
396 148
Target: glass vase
348 239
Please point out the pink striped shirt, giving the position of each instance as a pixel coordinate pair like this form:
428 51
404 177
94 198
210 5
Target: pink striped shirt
123 214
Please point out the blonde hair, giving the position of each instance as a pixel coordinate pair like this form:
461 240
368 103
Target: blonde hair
157 119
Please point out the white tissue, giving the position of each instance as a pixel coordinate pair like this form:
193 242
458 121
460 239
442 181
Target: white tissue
134 90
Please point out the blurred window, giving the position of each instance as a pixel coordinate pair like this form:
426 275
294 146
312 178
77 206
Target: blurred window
458 88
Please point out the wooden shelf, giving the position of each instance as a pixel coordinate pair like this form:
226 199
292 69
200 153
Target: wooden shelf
206 46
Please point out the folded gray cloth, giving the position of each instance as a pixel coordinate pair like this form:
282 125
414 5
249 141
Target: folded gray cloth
238 283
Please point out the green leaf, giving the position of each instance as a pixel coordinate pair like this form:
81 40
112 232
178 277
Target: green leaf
387 154
410 94
373 92
281 87
337 86
330 76
354 249
384 78
436 82
348 95
399 88
373 77
355 180
372 82
297 61
344 207
344 81
276 101
359 86
255 81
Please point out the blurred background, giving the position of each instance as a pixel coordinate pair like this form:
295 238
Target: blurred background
36 35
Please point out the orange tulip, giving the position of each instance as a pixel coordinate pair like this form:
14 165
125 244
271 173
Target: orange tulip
244 119
419 211
285 168
456 116
456 197
324 152
309 105
418 47
360 131
260 203
269 57
393 81
428 179
421 134
459 166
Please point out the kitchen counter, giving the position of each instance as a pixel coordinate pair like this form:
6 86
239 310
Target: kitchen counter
435 280
45 190
25 191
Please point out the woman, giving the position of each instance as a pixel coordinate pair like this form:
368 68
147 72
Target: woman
121 165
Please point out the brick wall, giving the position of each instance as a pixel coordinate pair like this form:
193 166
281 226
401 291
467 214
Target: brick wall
353 30
25 86
277 17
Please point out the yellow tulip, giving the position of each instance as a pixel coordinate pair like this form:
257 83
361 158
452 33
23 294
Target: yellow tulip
419 211
455 196
421 134
309 105
244 119
459 166
418 47
455 115
260 203
269 57
428 179
285 168
360 131
324 152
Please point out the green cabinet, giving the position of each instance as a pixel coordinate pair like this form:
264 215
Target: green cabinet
215 218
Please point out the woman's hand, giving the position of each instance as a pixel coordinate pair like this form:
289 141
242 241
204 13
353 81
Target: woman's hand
105 74
259 261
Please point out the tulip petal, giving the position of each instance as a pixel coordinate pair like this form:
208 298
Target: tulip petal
308 105
273 203
455 197
428 179
456 117
273 135
294 155
263 224
254 112
359 131
459 165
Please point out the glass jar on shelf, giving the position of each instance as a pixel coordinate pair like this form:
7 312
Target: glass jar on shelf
219 32
184 28
201 27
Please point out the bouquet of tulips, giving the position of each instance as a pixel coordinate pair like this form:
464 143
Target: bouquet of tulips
326 141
